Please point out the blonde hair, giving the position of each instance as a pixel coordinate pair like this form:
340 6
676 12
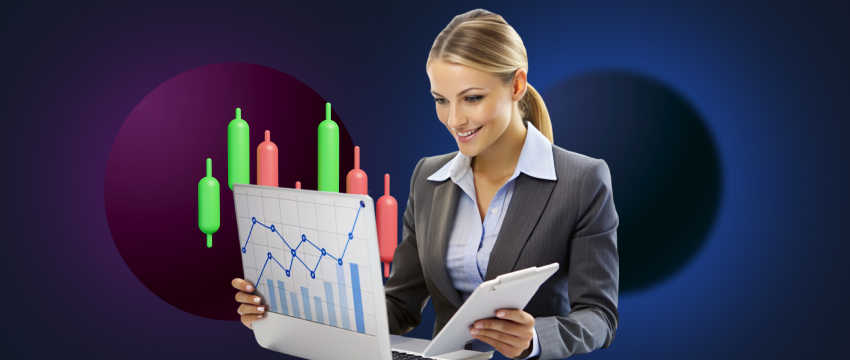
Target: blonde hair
483 40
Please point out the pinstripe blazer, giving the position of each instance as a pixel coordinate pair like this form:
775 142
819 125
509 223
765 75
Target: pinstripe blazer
571 221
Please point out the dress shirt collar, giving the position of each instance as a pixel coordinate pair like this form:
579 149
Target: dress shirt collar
535 160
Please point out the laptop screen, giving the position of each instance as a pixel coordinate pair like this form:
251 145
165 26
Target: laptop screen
307 253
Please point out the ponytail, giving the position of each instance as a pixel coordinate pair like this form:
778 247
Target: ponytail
533 110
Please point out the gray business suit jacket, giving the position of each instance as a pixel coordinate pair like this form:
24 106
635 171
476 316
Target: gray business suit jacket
571 221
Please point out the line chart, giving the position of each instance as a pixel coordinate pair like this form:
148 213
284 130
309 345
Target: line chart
303 240
285 237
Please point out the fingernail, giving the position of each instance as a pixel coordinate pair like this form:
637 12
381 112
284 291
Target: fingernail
257 300
260 309
259 317
248 287
474 331
500 314
479 325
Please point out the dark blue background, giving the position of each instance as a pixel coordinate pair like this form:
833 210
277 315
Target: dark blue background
769 79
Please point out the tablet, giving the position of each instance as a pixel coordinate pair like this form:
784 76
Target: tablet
507 291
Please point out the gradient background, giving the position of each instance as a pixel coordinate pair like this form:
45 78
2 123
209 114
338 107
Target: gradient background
770 81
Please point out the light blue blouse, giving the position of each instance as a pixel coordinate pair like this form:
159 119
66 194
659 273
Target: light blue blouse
471 241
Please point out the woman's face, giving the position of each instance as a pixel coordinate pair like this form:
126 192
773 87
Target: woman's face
470 99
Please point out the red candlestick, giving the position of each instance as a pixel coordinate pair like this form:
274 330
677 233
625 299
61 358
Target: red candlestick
387 222
267 163
357 182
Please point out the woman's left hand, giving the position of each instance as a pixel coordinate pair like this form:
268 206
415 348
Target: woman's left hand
510 334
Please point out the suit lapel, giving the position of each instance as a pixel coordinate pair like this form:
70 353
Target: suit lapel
443 209
529 198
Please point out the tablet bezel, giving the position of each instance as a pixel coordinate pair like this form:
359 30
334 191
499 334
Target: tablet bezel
520 285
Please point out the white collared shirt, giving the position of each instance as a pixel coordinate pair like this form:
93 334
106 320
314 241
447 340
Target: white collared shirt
471 240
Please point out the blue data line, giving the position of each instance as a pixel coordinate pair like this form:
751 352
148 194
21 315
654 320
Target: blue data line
351 233
294 251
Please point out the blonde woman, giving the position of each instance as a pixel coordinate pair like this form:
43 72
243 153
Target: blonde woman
508 199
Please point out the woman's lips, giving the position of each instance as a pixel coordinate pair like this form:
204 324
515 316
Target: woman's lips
466 139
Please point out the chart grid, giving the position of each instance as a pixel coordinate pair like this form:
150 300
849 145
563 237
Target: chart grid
312 248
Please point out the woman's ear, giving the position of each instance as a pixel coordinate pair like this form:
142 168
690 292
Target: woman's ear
519 84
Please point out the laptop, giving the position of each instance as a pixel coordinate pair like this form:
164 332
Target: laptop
314 258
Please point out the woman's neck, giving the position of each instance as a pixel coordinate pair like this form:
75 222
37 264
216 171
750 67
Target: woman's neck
500 159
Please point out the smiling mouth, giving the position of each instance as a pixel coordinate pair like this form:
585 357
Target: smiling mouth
468 133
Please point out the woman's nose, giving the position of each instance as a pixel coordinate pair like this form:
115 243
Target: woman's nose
455 119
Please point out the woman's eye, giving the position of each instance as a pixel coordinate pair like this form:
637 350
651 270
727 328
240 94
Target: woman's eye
439 101
474 99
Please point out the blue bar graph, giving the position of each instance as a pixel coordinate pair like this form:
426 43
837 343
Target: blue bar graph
319 315
305 297
295 310
273 301
343 297
358 301
329 296
283 308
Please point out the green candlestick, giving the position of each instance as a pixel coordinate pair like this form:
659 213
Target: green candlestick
328 153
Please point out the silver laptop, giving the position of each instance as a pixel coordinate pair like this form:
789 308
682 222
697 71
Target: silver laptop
314 258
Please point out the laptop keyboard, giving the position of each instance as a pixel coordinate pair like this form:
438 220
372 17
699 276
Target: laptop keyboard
405 356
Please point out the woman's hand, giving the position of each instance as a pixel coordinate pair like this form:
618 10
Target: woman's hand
251 308
511 334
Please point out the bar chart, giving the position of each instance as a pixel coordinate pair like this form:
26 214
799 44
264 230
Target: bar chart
308 256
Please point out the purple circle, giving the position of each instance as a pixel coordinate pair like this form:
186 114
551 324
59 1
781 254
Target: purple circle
159 156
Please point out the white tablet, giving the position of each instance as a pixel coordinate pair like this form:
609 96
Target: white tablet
507 291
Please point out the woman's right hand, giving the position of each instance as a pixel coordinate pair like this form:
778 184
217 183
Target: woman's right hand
251 307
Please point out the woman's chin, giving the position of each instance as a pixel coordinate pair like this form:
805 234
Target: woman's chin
466 149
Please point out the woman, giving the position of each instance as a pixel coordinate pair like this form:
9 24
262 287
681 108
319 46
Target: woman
459 233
